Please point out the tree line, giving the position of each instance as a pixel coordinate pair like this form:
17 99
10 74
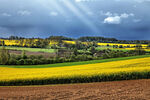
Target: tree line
65 55
84 39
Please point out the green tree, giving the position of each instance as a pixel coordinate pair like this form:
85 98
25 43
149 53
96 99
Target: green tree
4 56
139 49
92 50
75 52
24 56
121 46
2 43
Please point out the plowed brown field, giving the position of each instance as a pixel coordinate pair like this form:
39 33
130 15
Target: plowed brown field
118 90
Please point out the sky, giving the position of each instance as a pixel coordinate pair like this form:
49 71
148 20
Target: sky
121 19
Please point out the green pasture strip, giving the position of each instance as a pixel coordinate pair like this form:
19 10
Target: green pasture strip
74 63
31 49
104 47
80 79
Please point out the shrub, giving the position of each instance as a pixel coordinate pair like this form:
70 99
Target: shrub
61 60
13 56
32 57
43 61
56 60
20 62
36 62
105 56
18 57
50 61
39 56
81 58
115 55
12 61
28 62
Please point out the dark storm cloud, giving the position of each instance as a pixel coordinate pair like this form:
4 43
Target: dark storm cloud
122 19
142 29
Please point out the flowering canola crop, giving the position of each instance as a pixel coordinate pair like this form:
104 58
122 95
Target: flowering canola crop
133 65
119 44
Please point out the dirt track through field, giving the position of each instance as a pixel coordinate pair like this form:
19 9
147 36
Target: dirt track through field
119 90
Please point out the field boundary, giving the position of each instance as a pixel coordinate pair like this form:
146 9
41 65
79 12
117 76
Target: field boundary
74 63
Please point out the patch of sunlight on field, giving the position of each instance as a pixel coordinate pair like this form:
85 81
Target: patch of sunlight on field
134 65
31 49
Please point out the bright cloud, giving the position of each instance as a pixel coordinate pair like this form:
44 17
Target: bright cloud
115 18
124 15
112 20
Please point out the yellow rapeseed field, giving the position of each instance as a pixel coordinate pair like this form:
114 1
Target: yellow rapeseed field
10 42
70 42
110 44
124 45
132 65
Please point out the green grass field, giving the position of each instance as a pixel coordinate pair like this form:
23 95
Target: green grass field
74 63
105 47
31 49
